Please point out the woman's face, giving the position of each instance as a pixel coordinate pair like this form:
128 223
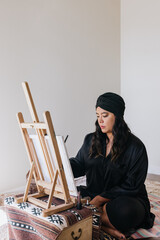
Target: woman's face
105 119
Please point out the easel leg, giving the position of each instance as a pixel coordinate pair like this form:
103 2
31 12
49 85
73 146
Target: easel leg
52 190
28 182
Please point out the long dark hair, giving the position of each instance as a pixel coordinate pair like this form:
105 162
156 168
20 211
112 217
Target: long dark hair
120 133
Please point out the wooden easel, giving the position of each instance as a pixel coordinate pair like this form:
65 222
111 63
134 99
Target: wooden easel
44 188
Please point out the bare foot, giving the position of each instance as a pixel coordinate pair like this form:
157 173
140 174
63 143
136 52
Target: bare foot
114 232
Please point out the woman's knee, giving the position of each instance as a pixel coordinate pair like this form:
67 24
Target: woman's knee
125 213
105 218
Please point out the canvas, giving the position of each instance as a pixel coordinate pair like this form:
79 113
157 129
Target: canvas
64 157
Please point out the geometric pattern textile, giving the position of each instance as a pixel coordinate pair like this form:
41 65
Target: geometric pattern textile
25 220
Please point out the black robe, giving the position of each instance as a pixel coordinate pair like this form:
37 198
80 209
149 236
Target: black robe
111 179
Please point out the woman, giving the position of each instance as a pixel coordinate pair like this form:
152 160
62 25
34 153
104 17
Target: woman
115 164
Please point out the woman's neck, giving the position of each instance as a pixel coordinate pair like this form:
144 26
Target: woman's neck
110 137
109 143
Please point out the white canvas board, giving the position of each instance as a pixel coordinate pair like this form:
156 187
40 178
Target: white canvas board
64 157
40 156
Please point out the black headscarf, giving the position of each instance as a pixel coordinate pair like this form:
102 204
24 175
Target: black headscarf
111 102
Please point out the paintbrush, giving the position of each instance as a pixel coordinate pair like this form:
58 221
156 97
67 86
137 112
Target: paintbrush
79 204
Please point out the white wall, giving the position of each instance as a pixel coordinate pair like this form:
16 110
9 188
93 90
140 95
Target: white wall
69 52
140 72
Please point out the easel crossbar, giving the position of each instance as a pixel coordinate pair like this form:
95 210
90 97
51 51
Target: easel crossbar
34 125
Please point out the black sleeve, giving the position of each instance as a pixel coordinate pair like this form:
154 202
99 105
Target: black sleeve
135 177
78 162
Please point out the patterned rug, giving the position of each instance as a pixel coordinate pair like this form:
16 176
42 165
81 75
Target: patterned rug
153 187
25 220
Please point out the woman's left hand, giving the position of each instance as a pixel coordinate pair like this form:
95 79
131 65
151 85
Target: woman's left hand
98 201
